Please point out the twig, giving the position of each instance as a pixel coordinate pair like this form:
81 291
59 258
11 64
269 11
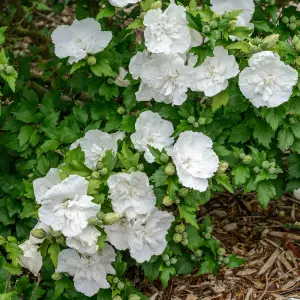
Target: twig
269 262
266 288
7 287
285 235
36 286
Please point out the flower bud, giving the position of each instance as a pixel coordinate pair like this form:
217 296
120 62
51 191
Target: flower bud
93 221
225 15
191 119
209 229
110 81
221 251
9 70
214 24
193 257
270 41
156 5
232 25
134 296
265 164
220 258
206 29
272 170
257 41
293 26
168 263
247 159
177 238
56 276
292 120
165 257
164 158
170 169
121 110
91 60
116 280
202 121
184 242
117 298
256 169
177 200
38 233
254 49
103 171
99 165
120 285
285 20
61 240
242 155
297 47
207 236
100 215
140 167
173 260
272 2
198 253
183 192
226 260
293 19
196 125
185 235
55 233
295 40
1 67
167 201
297 61
180 228
95 175
111 218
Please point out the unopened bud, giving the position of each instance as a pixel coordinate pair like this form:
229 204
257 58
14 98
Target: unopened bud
292 120
116 280
111 218
191 119
209 229
214 24
140 167
120 285
225 15
38 233
180 228
293 19
177 238
103 171
202 121
272 170
9 70
110 81
295 40
61 240
121 110
95 175
196 124
297 61
100 215
173 260
2 67
232 25
193 257
117 298
285 20
164 158
198 253
206 29
184 242
293 26
242 155
56 276
99 165
183 192
167 201
226 260
270 41
185 235
165 257
221 251
256 169
257 41
170 169
134 296
91 60
207 236
247 159
93 221
265 164
55 233
156 5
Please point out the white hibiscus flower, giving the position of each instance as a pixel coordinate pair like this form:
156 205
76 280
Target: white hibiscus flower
152 130
267 81
120 79
168 31
122 3
42 185
80 39
66 206
212 75
297 194
89 271
195 160
94 145
245 16
131 194
86 241
31 258
164 77
144 236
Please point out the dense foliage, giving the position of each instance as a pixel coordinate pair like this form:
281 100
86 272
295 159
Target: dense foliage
113 137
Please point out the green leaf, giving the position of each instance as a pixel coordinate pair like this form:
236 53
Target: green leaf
129 98
127 158
34 139
294 165
107 11
61 285
188 213
184 265
128 123
224 180
109 160
240 134
285 138
194 238
296 129
108 91
243 46
102 68
273 116
265 192
151 269
235 262
137 23
25 134
166 275
220 99
7 296
49 145
263 133
159 177
241 173
2 36
207 266
80 114
43 166
53 251
172 186
77 66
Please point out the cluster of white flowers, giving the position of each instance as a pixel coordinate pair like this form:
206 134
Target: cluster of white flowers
143 228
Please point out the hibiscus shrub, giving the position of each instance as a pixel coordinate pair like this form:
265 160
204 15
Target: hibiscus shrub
115 133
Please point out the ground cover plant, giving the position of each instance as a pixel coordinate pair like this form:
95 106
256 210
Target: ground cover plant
118 126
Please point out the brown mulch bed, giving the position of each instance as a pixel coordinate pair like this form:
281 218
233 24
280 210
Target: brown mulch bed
261 237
